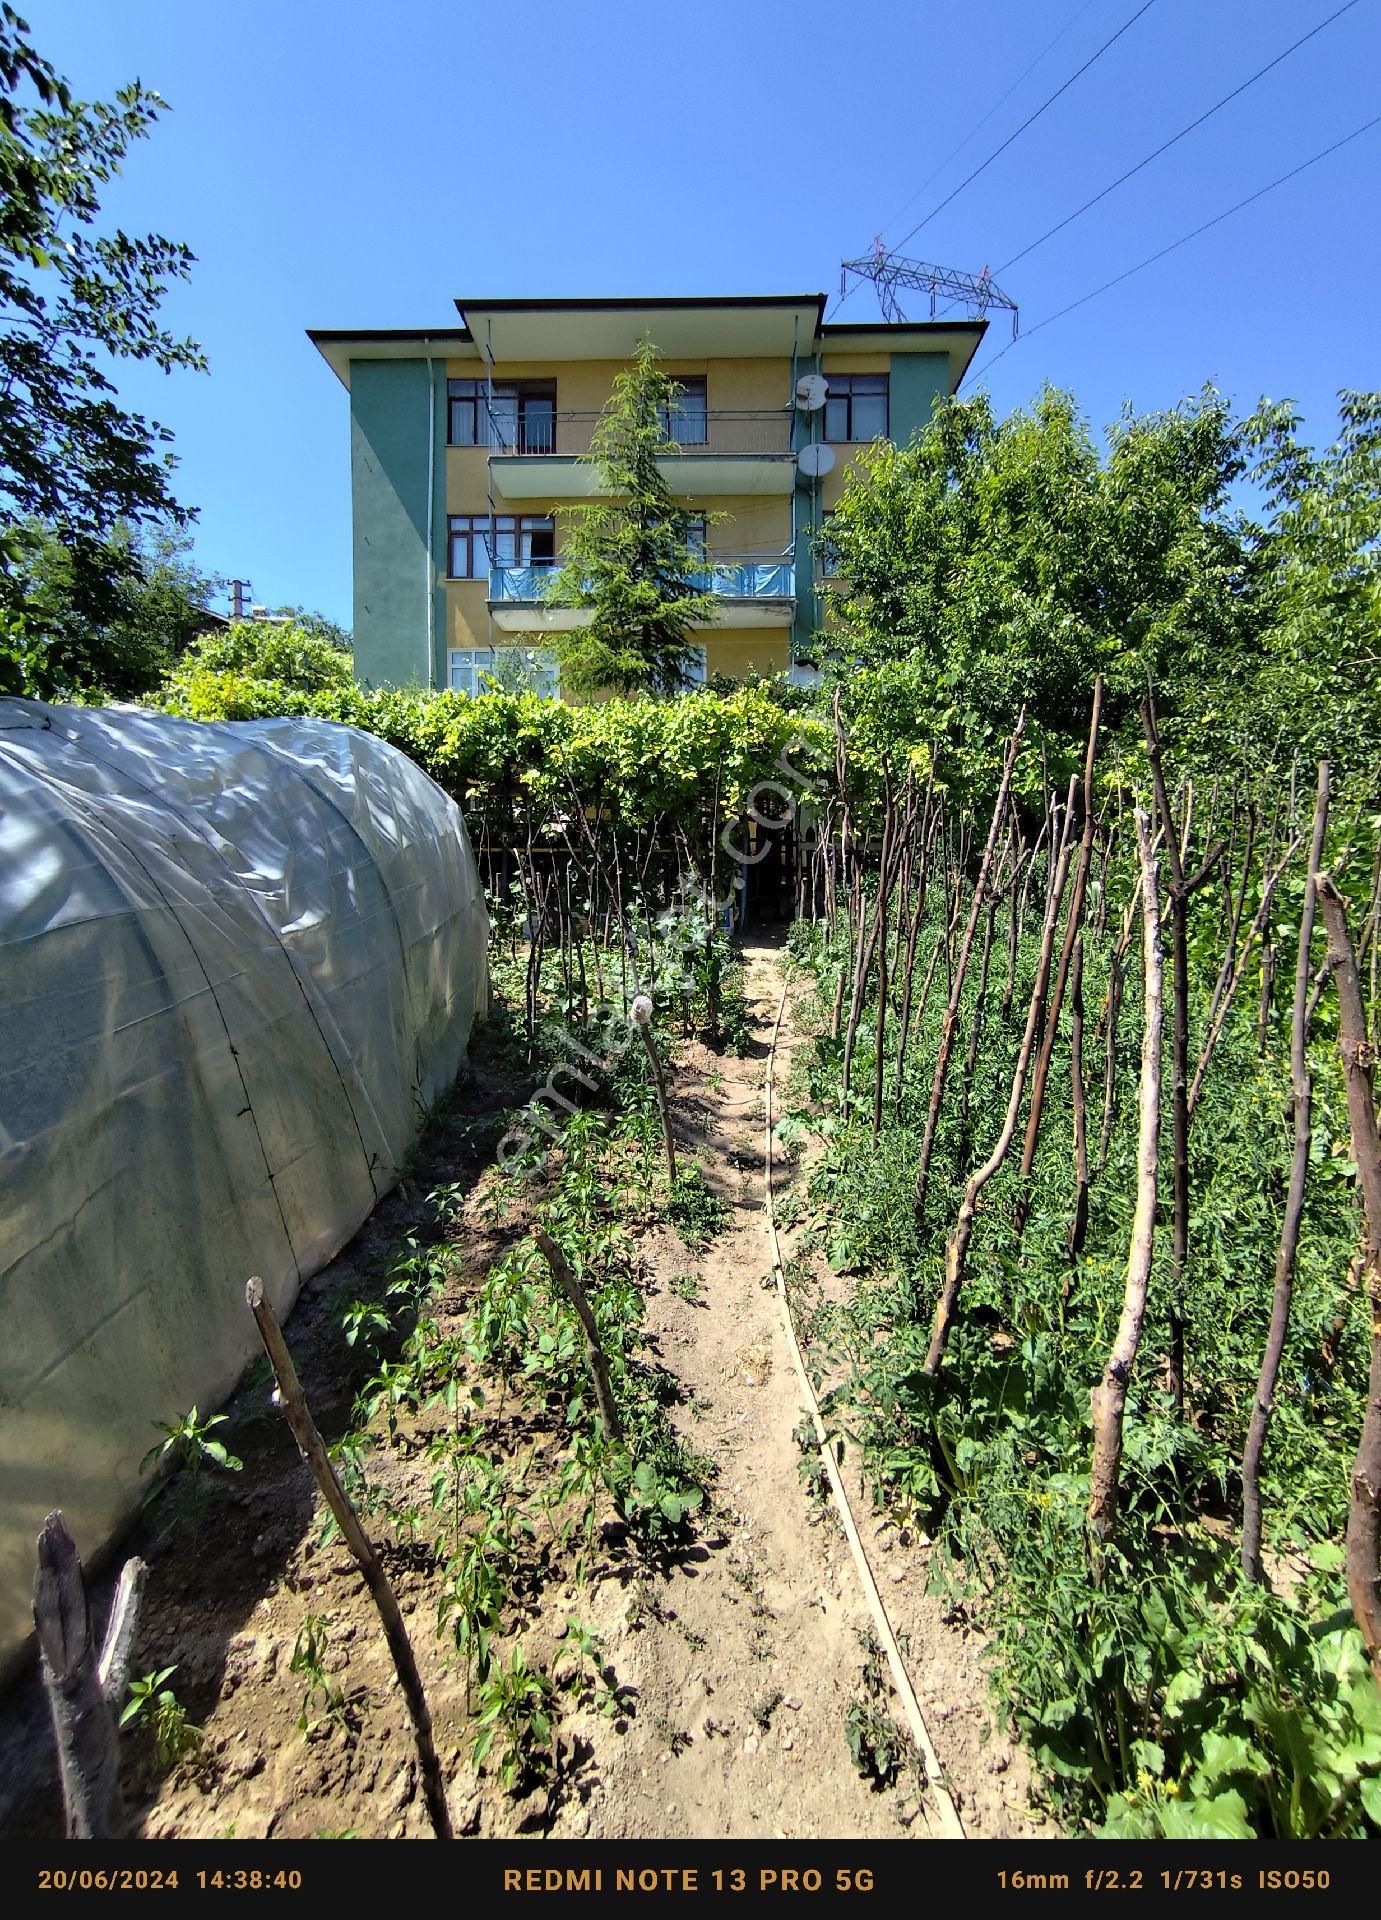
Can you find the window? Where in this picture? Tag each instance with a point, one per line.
(466, 413)
(696, 667)
(517, 415)
(827, 552)
(476, 542)
(695, 534)
(464, 665)
(686, 420)
(514, 669)
(525, 670)
(467, 554)
(856, 406)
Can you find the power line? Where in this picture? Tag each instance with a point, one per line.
(845, 295)
(908, 203)
(1030, 120)
(1165, 146)
(1185, 238)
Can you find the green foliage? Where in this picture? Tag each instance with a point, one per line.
(108, 619)
(322, 1702)
(513, 759)
(305, 656)
(1007, 565)
(154, 1705)
(70, 456)
(1316, 686)
(628, 558)
(513, 1709)
(995, 563)
(186, 1444)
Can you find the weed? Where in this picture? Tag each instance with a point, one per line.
(763, 1708)
(876, 1745)
(675, 1739)
(696, 1211)
(687, 1287)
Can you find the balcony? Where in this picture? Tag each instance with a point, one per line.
(538, 453)
(757, 590)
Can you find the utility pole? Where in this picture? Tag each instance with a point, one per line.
(241, 595)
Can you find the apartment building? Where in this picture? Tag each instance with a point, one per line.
(467, 441)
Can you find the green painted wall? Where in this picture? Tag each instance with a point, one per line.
(391, 414)
(805, 517)
(916, 382)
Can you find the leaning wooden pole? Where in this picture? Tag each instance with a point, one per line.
(594, 1351)
(947, 1030)
(1301, 1103)
(1109, 1398)
(640, 1013)
(313, 1450)
(1182, 891)
(1358, 1055)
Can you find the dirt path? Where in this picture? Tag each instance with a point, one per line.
(747, 1657)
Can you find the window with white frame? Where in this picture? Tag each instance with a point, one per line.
(696, 667)
(513, 669)
(518, 669)
(464, 665)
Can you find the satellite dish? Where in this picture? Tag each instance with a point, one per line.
(811, 390)
(814, 461)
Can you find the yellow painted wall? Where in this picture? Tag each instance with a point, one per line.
(755, 650)
(467, 613)
(759, 523)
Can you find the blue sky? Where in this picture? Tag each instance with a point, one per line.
(361, 164)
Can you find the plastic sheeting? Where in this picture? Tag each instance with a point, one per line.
(238, 963)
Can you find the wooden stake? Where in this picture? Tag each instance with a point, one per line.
(957, 1246)
(599, 1367)
(1182, 891)
(641, 1015)
(946, 1046)
(1078, 1226)
(1072, 926)
(313, 1450)
(1301, 1102)
(84, 1690)
(1109, 1398)
(1270, 882)
(1358, 1056)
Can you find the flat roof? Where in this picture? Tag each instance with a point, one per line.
(709, 326)
(685, 326)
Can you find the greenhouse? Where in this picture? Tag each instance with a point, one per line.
(238, 965)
